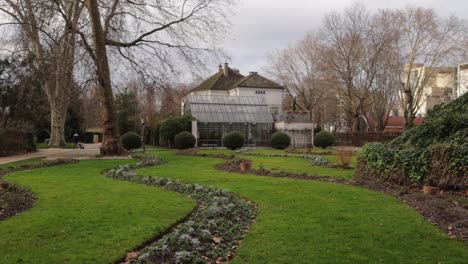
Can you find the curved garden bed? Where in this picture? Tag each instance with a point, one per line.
(211, 233)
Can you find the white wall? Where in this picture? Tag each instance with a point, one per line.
(209, 92)
(463, 86)
(274, 97)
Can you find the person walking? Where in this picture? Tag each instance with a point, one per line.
(76, 140)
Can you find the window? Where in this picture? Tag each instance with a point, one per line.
(259, 92)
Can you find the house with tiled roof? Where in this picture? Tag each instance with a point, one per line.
(252, 105)
(230, 82)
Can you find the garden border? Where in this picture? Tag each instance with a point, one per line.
(199, 231)
(444, 210)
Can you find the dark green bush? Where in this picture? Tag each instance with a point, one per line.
(173, 126)
(280, 140)
(317, 129)
(184, 140)
(434, 153)
(324, 139)
(12, 142)
(131, 141)
(233, 140)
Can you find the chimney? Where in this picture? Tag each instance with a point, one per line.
(226, 69)
(253, 73)
(220, 67)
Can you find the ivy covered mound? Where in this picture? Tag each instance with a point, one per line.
(433, 153)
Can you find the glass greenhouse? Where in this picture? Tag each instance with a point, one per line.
(218, 115)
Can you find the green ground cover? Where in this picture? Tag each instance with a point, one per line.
(287, 164)
(316, 222)
(83, 217)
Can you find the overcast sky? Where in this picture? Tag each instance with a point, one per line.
(260, 26)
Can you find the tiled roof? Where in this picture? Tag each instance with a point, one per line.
(399, 121)
(220, 82)
(255, 80)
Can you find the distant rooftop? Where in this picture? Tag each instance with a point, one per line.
(228, 78)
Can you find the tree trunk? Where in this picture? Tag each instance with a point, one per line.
(57, 124)
(111, 144)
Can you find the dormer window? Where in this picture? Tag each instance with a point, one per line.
(260, 92)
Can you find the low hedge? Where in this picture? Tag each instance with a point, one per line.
(441, 165)
(280, 140)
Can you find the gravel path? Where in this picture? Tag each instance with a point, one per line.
(55, 153)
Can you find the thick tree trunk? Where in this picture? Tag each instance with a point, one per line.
(111, 144)
(57, 125)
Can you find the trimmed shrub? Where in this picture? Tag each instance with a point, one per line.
(280, 140)
(233, 140)
(131, 141)
(173, 126)
(184, 140)
(324, 139)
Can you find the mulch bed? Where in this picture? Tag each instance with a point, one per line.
(448, 210)
(14, 199)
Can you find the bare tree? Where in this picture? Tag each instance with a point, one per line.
(52, 42)
(425, 41)
(162, 30)
(299, 69)
(353, 46)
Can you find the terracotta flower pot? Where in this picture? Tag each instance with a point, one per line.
(430, 189)
(4, 185)
(244, 165)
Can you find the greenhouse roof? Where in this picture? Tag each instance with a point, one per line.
(228, 109)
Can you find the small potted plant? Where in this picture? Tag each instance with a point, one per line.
(245, 165)
(430, 188)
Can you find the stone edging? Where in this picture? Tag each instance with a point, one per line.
(210, 234)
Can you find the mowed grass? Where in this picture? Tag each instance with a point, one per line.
(316, 222)
(31, 161)
(287, 164)
(84, 217)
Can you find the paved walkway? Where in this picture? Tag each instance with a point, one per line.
(55, 153)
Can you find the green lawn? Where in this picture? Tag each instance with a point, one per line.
(287, 164)
(316, 222)
(83, 217)
(31, 161)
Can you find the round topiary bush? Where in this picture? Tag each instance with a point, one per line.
(233, 140)
(324, 139)
(280, 140)
(184, 140)
(131, 141)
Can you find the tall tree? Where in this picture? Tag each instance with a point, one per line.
(52, 41)
(354, 45)
(425, 41)
(168, 31)
(299, 69)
